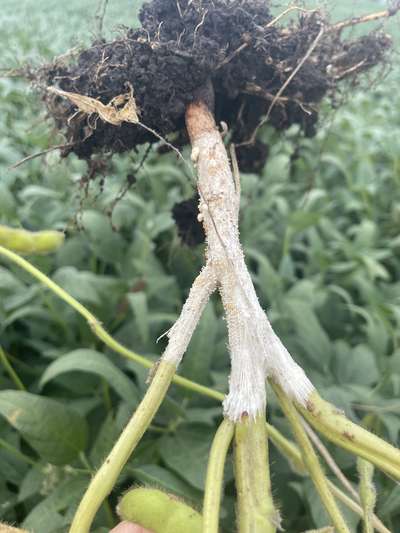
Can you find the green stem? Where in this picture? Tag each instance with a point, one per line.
(11, 372)
(367, 493)
(104, 480)
(255, 512)
(292, 453)
(311, 461)
(356, 508)
(215, 476)
(334, 425)
(288, 449)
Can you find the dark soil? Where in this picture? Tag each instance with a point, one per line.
(252, 158)
(185, 214)
(183, 43)
(180, 47)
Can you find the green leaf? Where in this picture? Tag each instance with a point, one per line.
(9, 283)
(27, 311)
(301, 220)
(199, 355)
(105, 243)
(203, 415)
(138, 303)
(318, 511)
(392, 424)
(81, 285)
(85, 360)
(11, 467)
(309, 332)
(378, 335)
(54, 430)
(391, 504)
(32, 483)
(43, 519)
(8, 501)
(106, 438)
(269, 282)
(187, 451)
(358, 366)
(156, 476)
(7, 202)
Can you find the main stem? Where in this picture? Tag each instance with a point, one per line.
(249, 331)
(256, 351)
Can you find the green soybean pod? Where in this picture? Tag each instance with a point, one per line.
(159, 511)
(30, 242)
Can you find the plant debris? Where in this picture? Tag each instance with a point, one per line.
(181, 44)
(122, 108)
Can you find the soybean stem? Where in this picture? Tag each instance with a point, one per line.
(255, 512)
(334, 425)
(215, 476)
(311, 461)
(105, 478)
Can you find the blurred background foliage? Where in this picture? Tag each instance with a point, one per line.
(320, 227)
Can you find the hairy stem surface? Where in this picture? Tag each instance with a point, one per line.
(255, 509)
(311, 461)
(333, 424)
(255, 349)
(105, 478)
(215, 476)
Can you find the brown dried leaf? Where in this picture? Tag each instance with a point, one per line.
(111, 112)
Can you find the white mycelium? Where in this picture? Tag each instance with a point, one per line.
(256, 351)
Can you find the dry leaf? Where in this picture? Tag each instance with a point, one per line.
(112, 112)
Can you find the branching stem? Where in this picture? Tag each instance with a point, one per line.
(333, 424)
(215, 476)
(255, 509)
(366, 18)
(311, 461)
(255, 349)
(367, 493)
(330, 461)
(105, 478)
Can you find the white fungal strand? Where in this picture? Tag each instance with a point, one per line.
(181, 332)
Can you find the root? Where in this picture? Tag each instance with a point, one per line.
(40, 154)
(181, 45)
(284, 86)
(367, 18)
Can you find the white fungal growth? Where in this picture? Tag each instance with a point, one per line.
(256, 351)
(195, 155)
(181, 332)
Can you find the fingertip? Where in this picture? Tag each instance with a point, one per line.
(128, 527)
